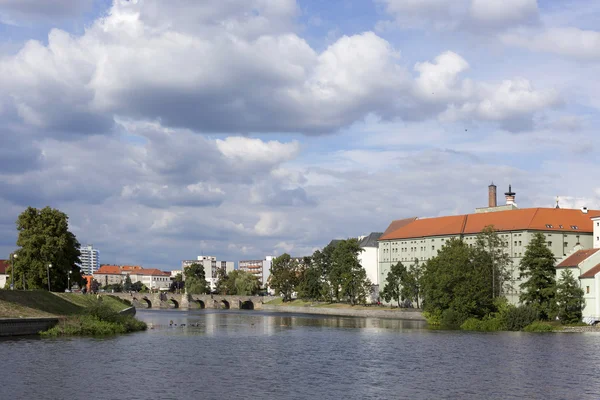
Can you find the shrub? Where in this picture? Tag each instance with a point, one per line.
(471, 324)
(517, 318)
(452, 319)
(539, 326)
(490, 323)
(433, 318)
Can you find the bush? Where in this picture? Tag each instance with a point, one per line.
(491, 323)
(452, 319)
(433, 318)
(517, 318)
(539, 326)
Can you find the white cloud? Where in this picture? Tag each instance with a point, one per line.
(569, 42)
(506, 12)
(250, 150)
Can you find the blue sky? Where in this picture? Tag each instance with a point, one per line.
(248, 128)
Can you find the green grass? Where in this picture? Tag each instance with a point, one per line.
(539, 326)
(39, 303)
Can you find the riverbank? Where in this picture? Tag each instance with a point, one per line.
(343, 310)
(31, 312)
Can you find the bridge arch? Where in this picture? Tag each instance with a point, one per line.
(246, 305)
(173, 303)
(225, 304)
(143, 301)
(200, 304)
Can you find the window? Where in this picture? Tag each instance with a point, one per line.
(519, 243)
(432, 247)
(587, 289)
(515, 242)
(548, 226)
(549, 244)
(574, 227)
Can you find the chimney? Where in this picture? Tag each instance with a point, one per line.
(492, 199)
(510, 196)
(584, 210)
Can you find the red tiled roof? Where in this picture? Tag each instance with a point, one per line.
(591, 272)
(4, 264)
(542, 219)
(151, 271)
(576, 258)
(131, 267)
(397, 224)
(108, 270)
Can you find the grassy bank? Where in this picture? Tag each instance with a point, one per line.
(80, 314)
(303, 303)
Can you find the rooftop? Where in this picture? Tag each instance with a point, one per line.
(4, 264)
(591, 272)
(576, 258)
(539, 219)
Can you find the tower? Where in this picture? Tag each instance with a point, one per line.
(492, 196)
(510, 196)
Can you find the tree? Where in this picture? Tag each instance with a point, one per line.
(284, 276)
(177, 283)
(569, 298)
(242, 283)
(44, 239)
(222, 286)
(94, 286)
(321, 262)
(495, 258)
(311, 286)
(127, 284)
(453, 281)
(348, 278)
(392, 289)
(537, 266)
(410, 282)
(195, 279)
(137, 286)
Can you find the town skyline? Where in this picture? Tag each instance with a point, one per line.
(286, 125)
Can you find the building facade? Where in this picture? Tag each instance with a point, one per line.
(211, 268)
(153, 279)
(261, 269)
(421, 239)
(90, 259)
(369, 260)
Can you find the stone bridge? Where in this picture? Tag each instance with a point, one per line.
(192, 301)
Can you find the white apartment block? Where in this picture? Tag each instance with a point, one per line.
(90, 259)
(211, 268)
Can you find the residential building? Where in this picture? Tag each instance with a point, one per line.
(90, 259)
(261, 269)
(4, 266)
(114, 274)
(369, 260)
(109, 275)
(211, 268)
(421, 239)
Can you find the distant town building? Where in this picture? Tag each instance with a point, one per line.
(369, 260)
(261, 269)
(4, 265)
(211, 268)
(420, 239)
(114, 274)
(90, 259)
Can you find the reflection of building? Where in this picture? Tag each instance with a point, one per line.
(261, 269)
(90, 259)
(585, 265)
(211, 268)
(421, 239)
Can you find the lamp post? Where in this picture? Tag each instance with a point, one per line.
(48, 272)
(69, 281)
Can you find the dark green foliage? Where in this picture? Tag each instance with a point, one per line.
(95, 286)
(569, 298)
(311, 285)
(537, 267)
(452, 319)
(454, 280)
(195, 279)
(242, 283)
(115, 287)
(392, 289)
(490, 253)
(44, 238)
(410, 280)
(539, 326)
(222, 285)
(517, 318)
(285, 273)
(137, 286)
(127, 284)
(488, 324)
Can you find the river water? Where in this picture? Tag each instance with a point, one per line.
(254, 355)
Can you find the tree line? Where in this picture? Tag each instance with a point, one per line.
(333, 274)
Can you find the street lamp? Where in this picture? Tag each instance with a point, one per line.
(69, 281)
(12, 268)
(48, 271)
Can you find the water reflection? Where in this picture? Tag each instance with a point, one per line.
(225, 322)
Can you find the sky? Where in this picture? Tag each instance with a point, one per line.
(246, 128)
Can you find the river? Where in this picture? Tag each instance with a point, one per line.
(227, 354)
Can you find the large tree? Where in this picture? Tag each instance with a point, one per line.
(410, 281)
(347, 277)
(311, 285)
(537, 267)
(285, 274)
(242, 283)
(44, 240)
(195, 279)
(393, 288)
(569, 298)
(453, 281)
(494, 256)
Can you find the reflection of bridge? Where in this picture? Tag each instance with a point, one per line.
(191, 301)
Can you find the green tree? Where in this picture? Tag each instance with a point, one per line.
(321, 262)
(242, 283)
(127, 284)
(348, 278)
(493, 256)
(223, 287)
(284, 276)
(410, 282)
(311, 285)
(195, 279)
(569, 298)
(453, 281)
(44, 239)
(137, 286)
(392, 288)
(537, 267)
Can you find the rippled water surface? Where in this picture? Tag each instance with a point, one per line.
(254, 355)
